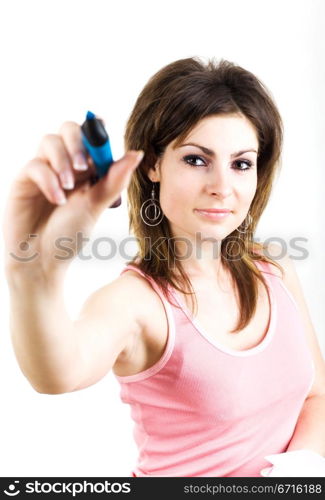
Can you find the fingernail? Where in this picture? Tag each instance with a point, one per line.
(79, 162)
(67, 179)
(60, 198)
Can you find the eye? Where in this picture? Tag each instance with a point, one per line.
(248, 164)
(192, 161)
(193, 158)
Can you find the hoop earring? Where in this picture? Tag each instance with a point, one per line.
(153, 205)
(243, 228)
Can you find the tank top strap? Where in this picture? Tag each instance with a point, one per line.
(278, 281)
(171, 330)
(153, 283)
(266, 268)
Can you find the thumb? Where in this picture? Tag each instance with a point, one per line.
(107, 190)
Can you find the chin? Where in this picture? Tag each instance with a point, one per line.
(218, 234)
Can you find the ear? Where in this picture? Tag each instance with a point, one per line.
(154, 172)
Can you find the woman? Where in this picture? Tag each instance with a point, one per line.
(215, 383)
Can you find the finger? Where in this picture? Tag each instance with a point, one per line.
(52, 149)
(108, 188)
(38, 172)
(71, 135)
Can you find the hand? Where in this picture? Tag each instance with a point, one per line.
(298, 463)
(34, 216)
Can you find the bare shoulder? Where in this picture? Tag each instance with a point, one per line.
(138, 283)
(130, 290)
(149, 310)
(140, 293)
(110, 326)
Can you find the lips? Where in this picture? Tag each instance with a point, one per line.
(214, 210)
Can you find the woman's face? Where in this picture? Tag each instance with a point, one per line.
(208, 175)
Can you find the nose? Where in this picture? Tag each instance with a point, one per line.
(219, 183)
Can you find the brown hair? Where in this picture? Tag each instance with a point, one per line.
(170, 105)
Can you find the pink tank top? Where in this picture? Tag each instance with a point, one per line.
(207, 410)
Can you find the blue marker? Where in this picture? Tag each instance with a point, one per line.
(96, 141)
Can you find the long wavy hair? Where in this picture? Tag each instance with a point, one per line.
(170, 105)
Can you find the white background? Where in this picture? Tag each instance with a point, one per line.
(61, 58)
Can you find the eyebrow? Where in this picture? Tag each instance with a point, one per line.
(212, 153)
